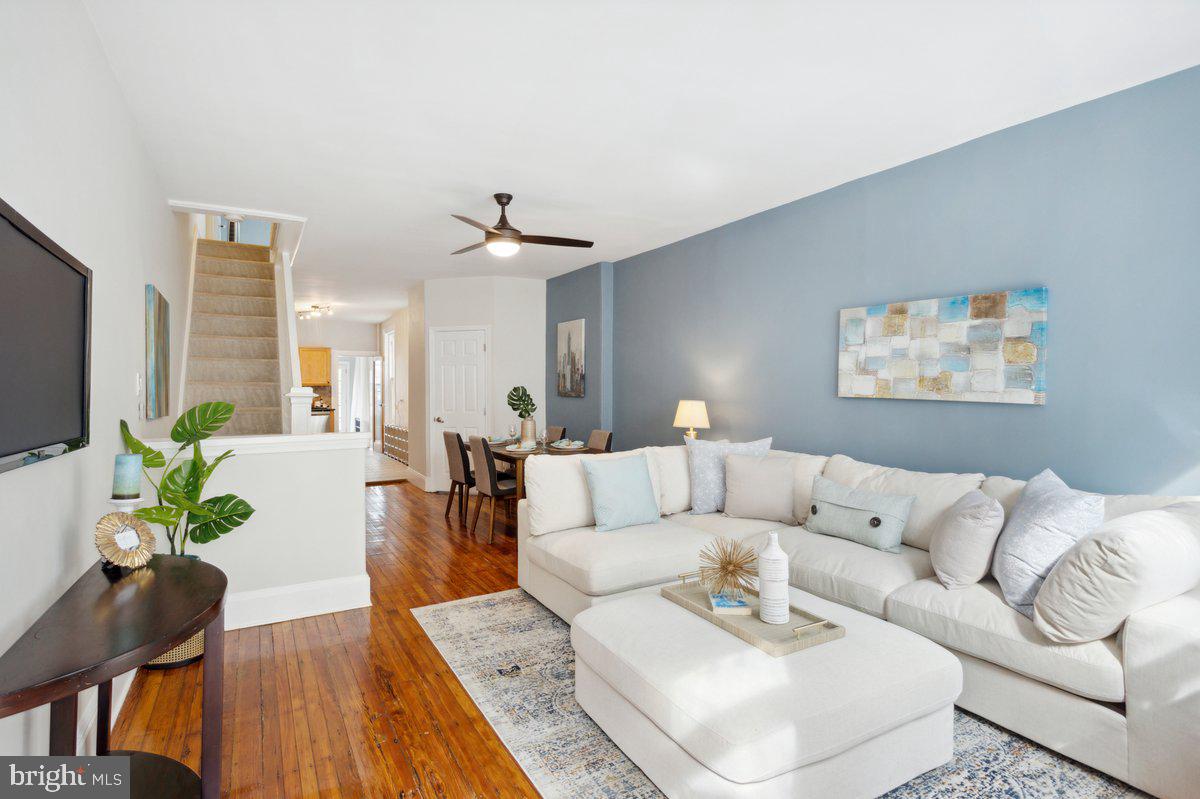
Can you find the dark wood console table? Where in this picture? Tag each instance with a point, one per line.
(99, 629)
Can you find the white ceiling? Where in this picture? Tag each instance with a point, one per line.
(631, 123)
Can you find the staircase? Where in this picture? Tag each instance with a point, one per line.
(233, 345)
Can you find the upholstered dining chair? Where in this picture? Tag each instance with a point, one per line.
(600, 439)
(555, 433)
(461, 477)
(488, 484)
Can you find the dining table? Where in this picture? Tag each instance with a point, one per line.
(517, 457)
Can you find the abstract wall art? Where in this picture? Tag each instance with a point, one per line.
(970, 348)
(158, 354)
(570, 358)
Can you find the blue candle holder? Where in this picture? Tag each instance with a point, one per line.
(127, 477)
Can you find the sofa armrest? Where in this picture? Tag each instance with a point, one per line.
(522, 538)
(1162, 694)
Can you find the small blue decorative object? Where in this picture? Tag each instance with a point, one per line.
(127, 477)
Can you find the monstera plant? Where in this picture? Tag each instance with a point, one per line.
(521, 402)
(180, 486)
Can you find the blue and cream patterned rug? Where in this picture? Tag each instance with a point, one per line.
(514, 657)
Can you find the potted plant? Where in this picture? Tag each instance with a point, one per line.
(181, 510)
(520, 401)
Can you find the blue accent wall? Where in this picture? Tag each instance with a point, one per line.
(1099, 202)
(583, 294)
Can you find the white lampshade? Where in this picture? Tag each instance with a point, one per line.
(691, 413)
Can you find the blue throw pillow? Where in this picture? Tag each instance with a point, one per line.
(865, 517)
(622, 494)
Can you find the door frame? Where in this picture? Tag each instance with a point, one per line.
(434, 482)
(334, 394)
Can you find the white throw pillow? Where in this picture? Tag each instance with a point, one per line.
(965, 538)
(674, 484)
(760, 487)
(706, 467)
(1132, 562)
(807, 467)
(557, 491)
(1046, 522)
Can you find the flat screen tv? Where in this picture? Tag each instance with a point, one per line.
(45, 345)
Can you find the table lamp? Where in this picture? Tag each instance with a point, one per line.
(691, 414)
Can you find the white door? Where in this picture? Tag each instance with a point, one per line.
(344, 395)
(459, 396)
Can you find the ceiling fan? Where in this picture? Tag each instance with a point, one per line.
(503, 240)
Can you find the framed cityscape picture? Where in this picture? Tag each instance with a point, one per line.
(570, 358)
(971, 348)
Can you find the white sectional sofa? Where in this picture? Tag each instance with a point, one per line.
(1128, 705)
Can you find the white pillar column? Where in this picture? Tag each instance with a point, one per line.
(301, 398)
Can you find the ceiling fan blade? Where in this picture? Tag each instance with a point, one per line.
(474, 224)
(468, 249)
(554, 240)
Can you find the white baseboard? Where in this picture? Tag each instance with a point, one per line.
(271, 605)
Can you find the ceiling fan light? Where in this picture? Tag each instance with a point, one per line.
(503, 248)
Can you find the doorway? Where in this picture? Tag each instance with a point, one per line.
(354, 392)
(458, 381)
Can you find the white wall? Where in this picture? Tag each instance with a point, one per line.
(396, 405)
(74, 166)
(337, 334)
(515, 310)
(303, 552)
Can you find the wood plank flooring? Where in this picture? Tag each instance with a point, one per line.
(357, 703)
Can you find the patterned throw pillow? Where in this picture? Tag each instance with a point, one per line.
(1047, 521)
(706, 469)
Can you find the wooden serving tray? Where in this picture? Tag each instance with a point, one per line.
(804, 630)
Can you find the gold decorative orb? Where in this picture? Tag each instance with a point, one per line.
(125, 540)
(727, 566)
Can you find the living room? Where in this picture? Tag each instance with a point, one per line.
(775, 399)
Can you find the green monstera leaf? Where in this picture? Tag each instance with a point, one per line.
(520, 401)
(226, 513)
(165, 515)
(200, 422)
(183, 480)
(151, 458)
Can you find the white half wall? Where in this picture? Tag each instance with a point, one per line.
(74, 166)
(303, 552)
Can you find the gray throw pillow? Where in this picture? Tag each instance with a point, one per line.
(706, 469)
(963, 541)
(1047, 521)
(874, 520)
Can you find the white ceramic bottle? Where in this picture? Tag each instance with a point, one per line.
(773, 601)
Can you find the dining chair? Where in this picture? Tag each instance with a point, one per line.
(555, 433)
(488, 484)
(461, 477)
(600, 439)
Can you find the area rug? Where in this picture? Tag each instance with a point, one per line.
(514, 658)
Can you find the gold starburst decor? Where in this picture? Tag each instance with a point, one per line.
(124, 540)
(726, 566)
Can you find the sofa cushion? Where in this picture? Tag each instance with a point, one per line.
(934, 492)
(599, 564)
(975, 620)
(846, 572)
(1132, 562)
(558, 494)
(1047, 521)
(719, 525)
(1008, 491)
(670, 464)
(760, 487)
(747, 716)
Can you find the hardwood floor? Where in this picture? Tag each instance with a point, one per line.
(357, 703)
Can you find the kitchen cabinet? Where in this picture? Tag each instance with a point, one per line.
(315, 366)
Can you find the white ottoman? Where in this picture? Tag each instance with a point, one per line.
(704, 714)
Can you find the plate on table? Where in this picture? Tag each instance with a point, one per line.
(565, 444)
(519, 448)
(500, 439)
